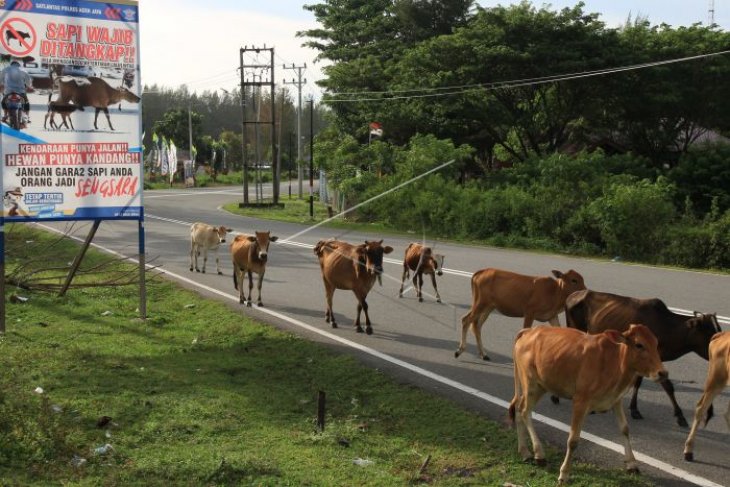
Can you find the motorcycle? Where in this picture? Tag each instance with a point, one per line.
(14, 103)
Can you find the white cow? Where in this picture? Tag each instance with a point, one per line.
(204, 237)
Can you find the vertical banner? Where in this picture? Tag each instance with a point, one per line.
(80, 154)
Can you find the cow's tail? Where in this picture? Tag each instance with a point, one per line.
(516, 399)
(235, 278)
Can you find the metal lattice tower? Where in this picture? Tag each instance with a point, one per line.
(711, 13)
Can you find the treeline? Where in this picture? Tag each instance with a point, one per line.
(216, 118)
(561, 143)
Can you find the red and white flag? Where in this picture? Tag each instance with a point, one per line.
(376, 129)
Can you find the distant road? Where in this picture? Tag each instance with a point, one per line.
(415, 342)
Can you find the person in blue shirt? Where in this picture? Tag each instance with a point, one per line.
(15, 80)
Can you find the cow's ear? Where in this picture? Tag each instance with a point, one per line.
(615, 336)
(251, 238)
(274, 239)
(387, 249)
(557, 274)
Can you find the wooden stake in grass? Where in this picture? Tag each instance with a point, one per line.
(320, 411)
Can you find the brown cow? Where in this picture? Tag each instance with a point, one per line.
(421, 260)
(353, 267)
(204, 237)
(718, 376)
(94, 92)
(594, 312)
(592, 370)
(250, 254)
(516, 295)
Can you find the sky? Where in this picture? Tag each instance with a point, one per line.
(197, 43)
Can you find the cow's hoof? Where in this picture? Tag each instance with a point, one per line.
(191, 269)
(633, 470)
(486, 358)
(682, 422)
(400, 295)
(420, 300)
(541, 462)
(248, 304)
(241, 301)
(555, 399)
(334, 325)
(457, 353)
(260, 304)
(220, 273)
(369, 331)
(438, 300)
(689, 456)
(203, 271)
(358, 329)
(636, 414)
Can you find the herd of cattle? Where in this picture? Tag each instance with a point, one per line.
(604, 331)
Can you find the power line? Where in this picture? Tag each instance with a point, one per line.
(461, 89)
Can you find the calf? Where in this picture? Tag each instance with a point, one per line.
(421, 260)
(204, 237)
(94, 92)
(353, 267)
(718, 376)
(250, 254)
(594, 312)
(62, 109)
(592, 370)
(516, 295)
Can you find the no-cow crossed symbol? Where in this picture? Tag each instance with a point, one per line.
(18, 36)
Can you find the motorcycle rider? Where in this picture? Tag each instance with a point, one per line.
(15, 80)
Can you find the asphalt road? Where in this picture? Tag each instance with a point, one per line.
(415, 342)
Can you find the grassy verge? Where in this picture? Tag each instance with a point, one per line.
(201, 395)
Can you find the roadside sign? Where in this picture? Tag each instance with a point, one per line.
(18, 37)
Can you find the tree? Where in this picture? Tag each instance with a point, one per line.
(174, 126)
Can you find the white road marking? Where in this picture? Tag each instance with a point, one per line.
(610, 445)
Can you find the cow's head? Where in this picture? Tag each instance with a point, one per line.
(702, 327)
(642, 351)
(438, 264)
(261, 244)
(370, 256)
(221, 232)
(569, 281)
(128, 95)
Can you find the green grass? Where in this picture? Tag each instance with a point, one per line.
(199, 394)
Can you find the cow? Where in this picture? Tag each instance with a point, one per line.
(593, 370)
(204, 237)
(64, 110)
(353, 267)
(250, 254)
(718, 376)
(19, 36)
(516, 295)
(421, 260)
(594, 312)
(94, 92)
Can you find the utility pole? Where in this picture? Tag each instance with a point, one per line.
(256, 70)
(311, 158)
(299, 83)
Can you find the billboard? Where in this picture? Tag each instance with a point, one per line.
(79, 155)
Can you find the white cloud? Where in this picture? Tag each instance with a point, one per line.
(199, 46)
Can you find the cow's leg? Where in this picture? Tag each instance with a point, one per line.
(515, 409)
(702, 407)
(415, 285)
(217, 262)
(669, 389)
(70, 122)
(635, 414)
(435, 288)
(623, 427)
(96, 118)
(192, 255)
(420, 287)
(476, 329)
(527, 323)
(108, 119)
(368, 325)
(250, 288)
(205, 257)
(259, 284)
(329, 290)
(241, 279)
(580, 409)
(467, 321)
(403, 280)
(531, 396)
